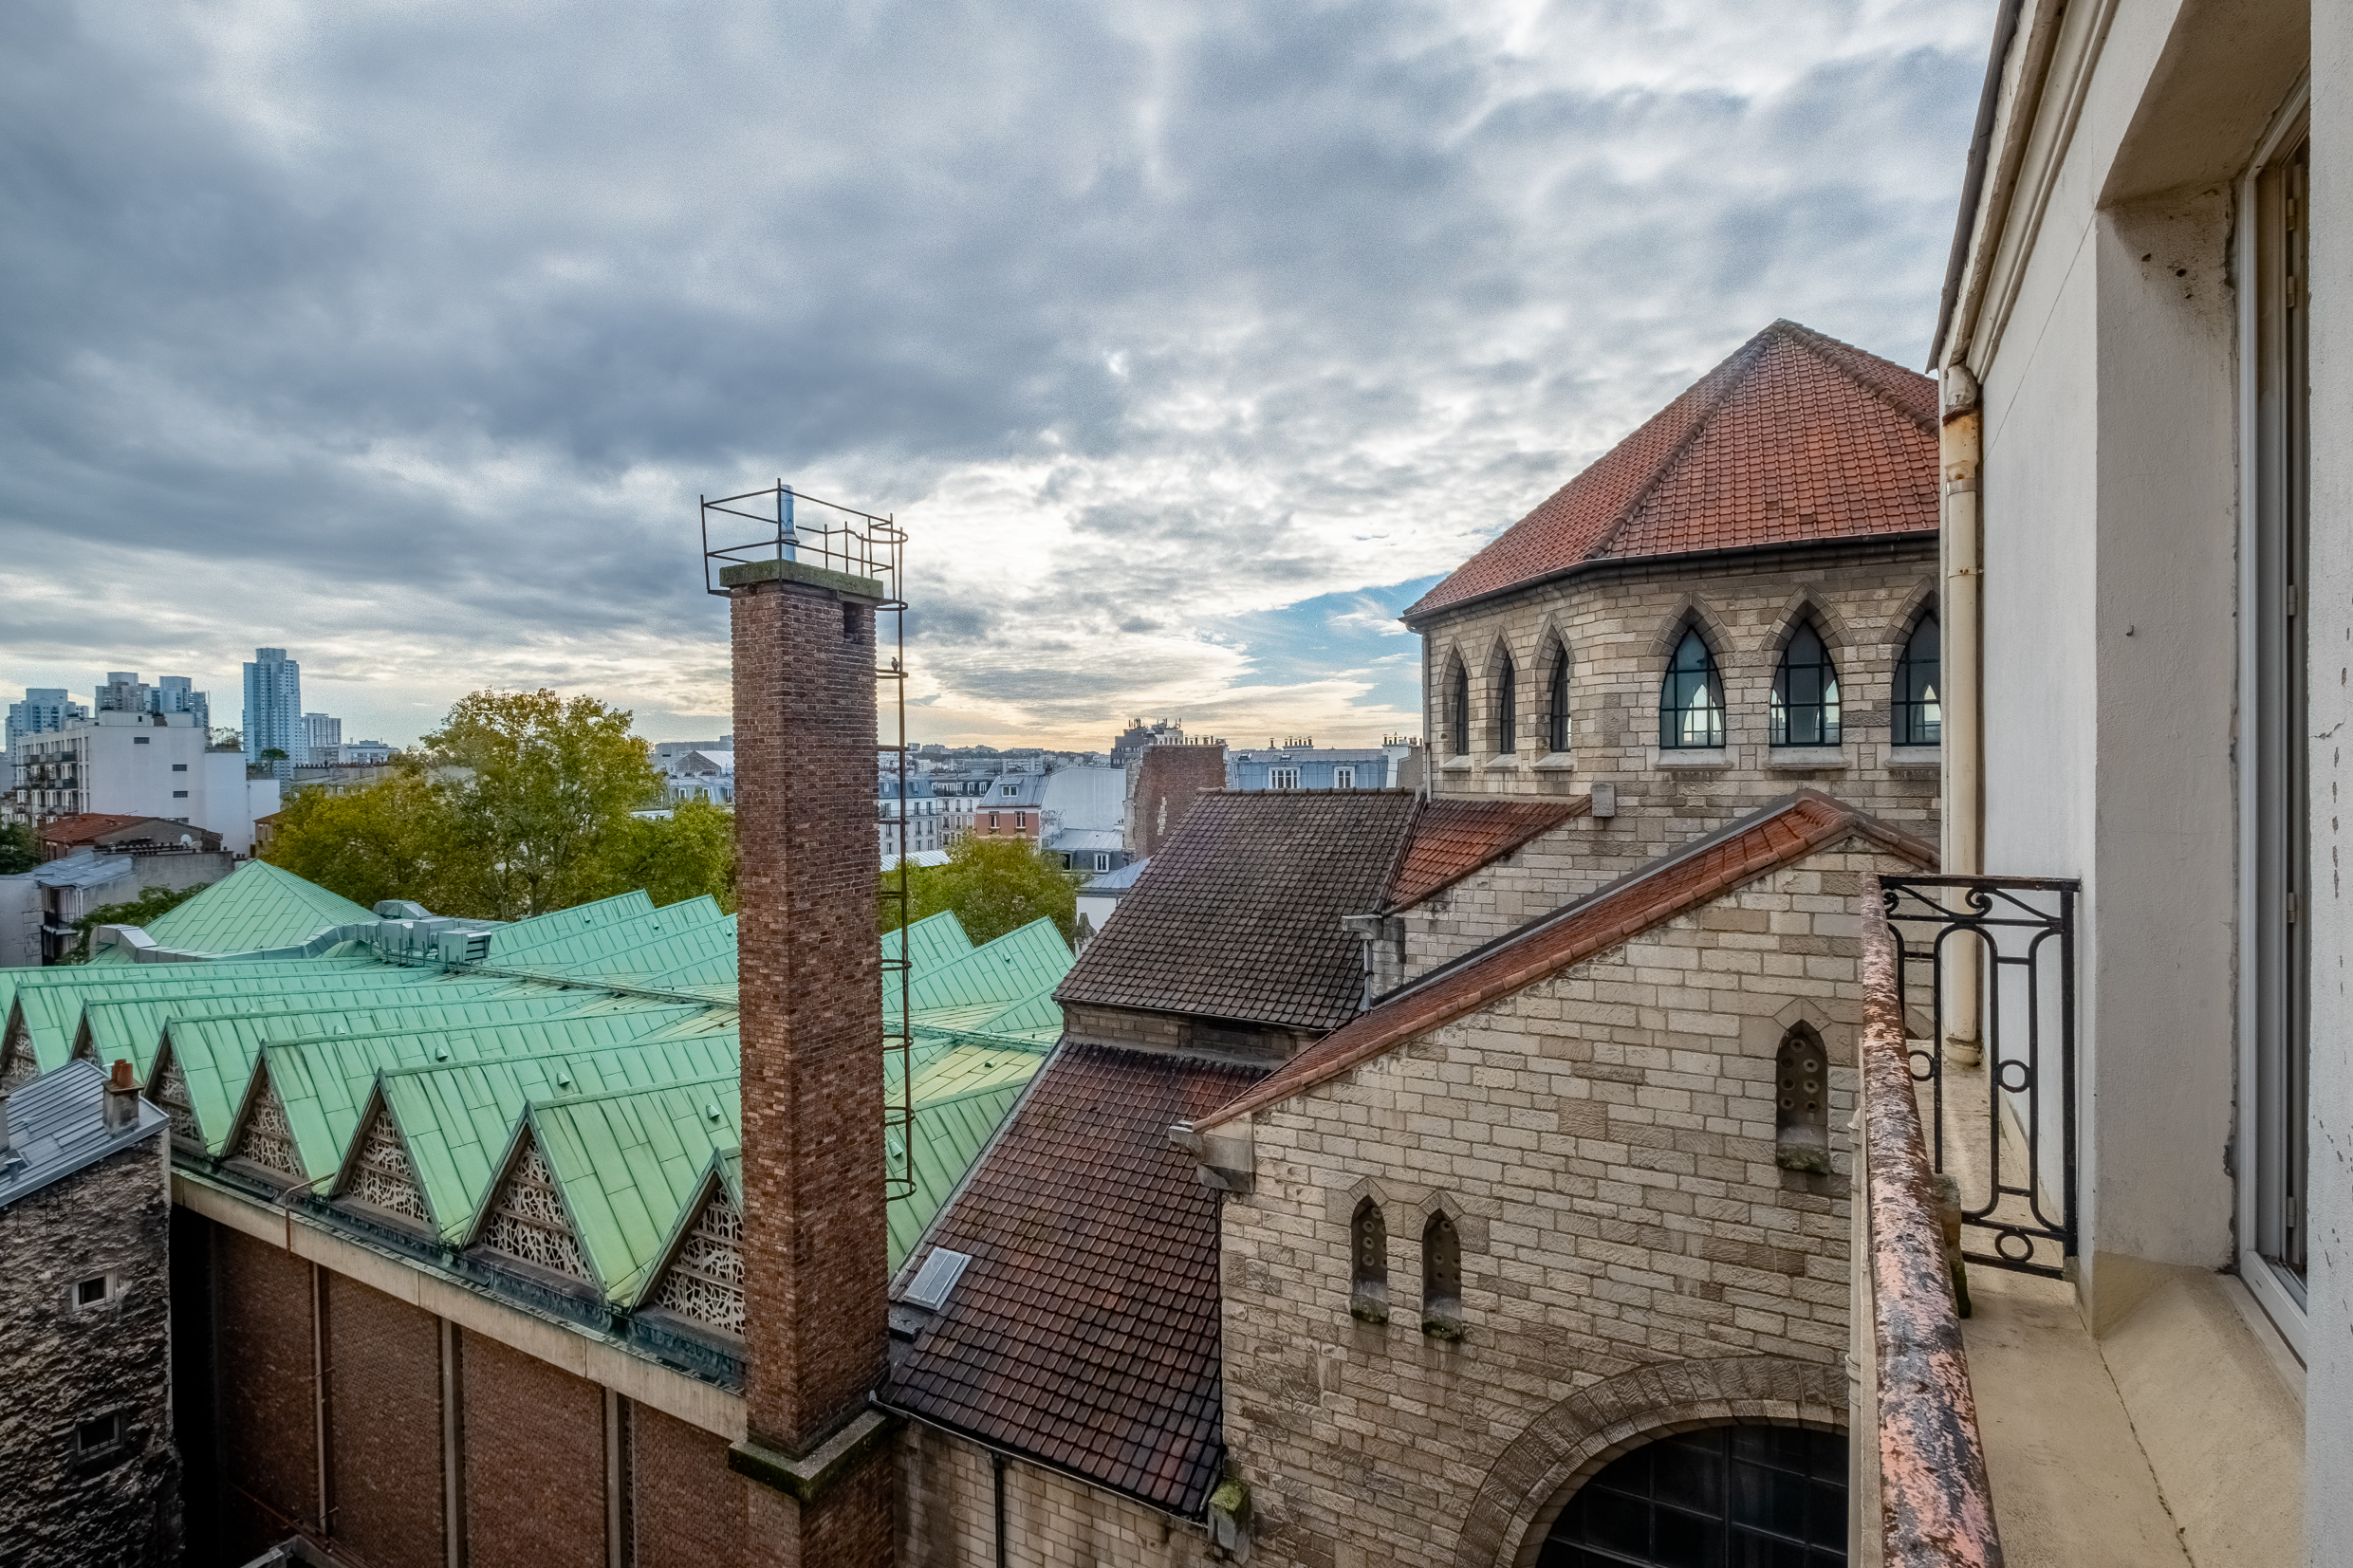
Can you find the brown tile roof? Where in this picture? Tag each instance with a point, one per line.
(1238, 914)
(1083, 1333)
(90, 827)
(1453, 839)
(1797, 438)
(1778, 836)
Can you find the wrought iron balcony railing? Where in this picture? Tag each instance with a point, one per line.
(1952, 967)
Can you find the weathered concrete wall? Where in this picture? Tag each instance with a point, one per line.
(1620, 628)
(62, 1366)
(1605, 1142)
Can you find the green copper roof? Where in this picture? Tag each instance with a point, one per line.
(1017, 965)
(631, 1163)
(256, 906)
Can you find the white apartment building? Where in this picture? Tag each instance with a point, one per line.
(143, 764)
(323, 739)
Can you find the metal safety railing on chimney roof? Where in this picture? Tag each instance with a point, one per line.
(780, 522)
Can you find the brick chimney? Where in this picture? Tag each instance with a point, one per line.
(1162, 783)
(122, 1101)
(815, 1248)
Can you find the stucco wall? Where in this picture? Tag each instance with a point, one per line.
(1605, 1142)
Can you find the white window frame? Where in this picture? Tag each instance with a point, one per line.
(1344, 778)
(2273, 1288)
(1282, 778)
(1103, 861)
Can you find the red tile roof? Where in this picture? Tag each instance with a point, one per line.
(1237, 916)
(1085, 1331)
(1453, 839)
(88, 827)
(1797, 438)
(1779, 836)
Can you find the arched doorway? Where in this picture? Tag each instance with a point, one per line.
(1714, 1497)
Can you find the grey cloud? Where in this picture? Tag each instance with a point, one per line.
(448, 315)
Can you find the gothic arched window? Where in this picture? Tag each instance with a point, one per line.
(1690, 699)
(1368, 1263)
(1716, 1495)
(1914, 706)
(1441, 1278)
(1507, 707)
(1806, 691)
(1458, 702)
(1556, 702)
(1802, 1102)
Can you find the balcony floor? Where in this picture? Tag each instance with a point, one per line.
(2173, 1439)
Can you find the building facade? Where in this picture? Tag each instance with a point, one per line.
(87, 1441)
(1309, 767)
(45, 709)
(273, 706)
(323, 739)
(1737, 600)
(138, 765)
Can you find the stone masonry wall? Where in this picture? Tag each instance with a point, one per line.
(1605, 1142)
(1621, 627)
(1050, 1519)
(1549, 871)
(60, 1367)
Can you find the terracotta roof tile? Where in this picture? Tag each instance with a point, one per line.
(1779, 835)
(1453, 839)
(1085, 1331)
(1797, 438)
(87, 826)
(1238, 914)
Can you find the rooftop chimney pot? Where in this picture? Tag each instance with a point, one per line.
(122, 1101)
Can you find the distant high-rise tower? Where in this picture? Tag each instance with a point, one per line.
(125, 694)
(178, 695)
(44, 710)
(323, 739)
(273, 708)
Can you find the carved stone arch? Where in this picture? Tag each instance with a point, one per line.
(1922, 597)
(1810, 603)
(1447, 661)
(1538, 1471)
(1692, 614)
(1488, 696)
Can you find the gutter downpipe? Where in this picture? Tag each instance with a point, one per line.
(1960, 456)
(997, 1463)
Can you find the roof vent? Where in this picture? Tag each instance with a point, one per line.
(564, 1080)
(712, 1110)
(936, 1278)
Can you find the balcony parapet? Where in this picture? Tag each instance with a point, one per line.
(1927, 1466)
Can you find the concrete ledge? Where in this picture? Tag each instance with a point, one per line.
(845, 585)
(1812, 759)
(817, 1472)
(1695, 757)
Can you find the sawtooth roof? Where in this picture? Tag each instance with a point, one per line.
(1758, 845)
(1085, 1331)
(1796, 439)
(1239, 917)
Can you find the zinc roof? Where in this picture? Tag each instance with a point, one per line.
(254, 907)
(1797, 438)
(57, 1126)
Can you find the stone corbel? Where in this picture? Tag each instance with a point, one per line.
(1227, 1159)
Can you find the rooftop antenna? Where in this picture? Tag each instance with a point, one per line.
(785, 534)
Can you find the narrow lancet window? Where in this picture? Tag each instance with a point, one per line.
(1802, 1102)
(1441, 1278)
(1690, 699)
(1506, 709)
(1556, 713)
(1458, 703)
(1918, 714)
(1368, 1263)
(1805, 693)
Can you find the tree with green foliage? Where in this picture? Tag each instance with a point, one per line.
(993, 885)
(19, 849)
(522, 803)
(148, 907)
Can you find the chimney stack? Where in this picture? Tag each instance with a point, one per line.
(121, 1106)
(815, 1243)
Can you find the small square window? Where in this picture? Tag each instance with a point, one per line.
(1344, 778)
(93, 1436)
(179, 794)
(95, 1291)
(140, 740)
(179, 767)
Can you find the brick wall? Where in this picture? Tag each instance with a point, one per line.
(686, 1507)
(535, 1453)
(1621, 627)
(1604, 1143)
(814, 1237)
(1051, 1520)
(268, 1416)
(385, 1477)
(1162, 783)
(60, 1367)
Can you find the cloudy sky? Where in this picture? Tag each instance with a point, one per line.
(1190, 341)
